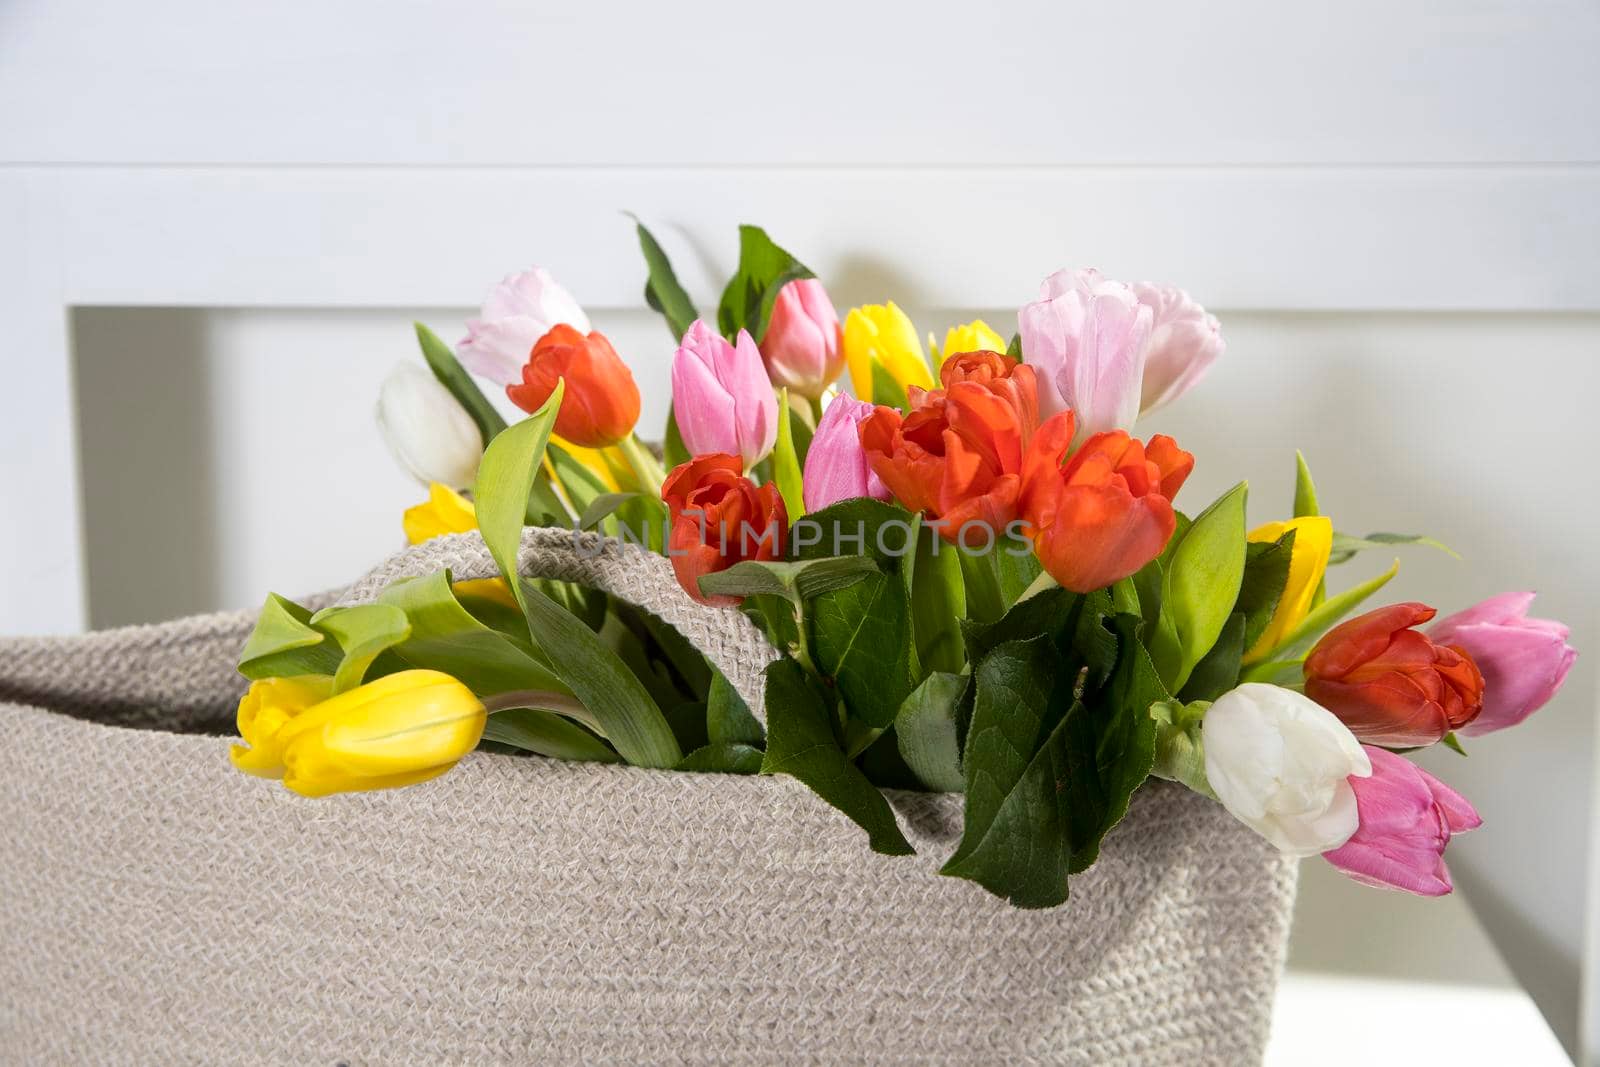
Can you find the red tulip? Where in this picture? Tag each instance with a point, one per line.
(601, 403)
(1390, 684)
(719, 518)
(1106, 511)
(957, 456)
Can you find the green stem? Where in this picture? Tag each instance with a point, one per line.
(985, 603)
(645, 466)
(543, 700)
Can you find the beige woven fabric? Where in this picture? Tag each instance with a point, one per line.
(158, 907)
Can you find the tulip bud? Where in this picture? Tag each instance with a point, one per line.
(1523, 661)
(1282, 766)
(1407, 817)
(1184, 342)
(836, 466)
(721, 396)
(427, 429)
(265, 708)
(719, 518)
(601, 403)
(803, 346)
(516, 313)
(1390, 684)
(1107, 511)
(399, 730)
(882, 335)
(974, 336)
(1087, 338)
(1308, 562)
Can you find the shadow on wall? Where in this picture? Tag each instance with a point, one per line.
(146, 427)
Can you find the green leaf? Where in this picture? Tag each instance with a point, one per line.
(1305, 491)
(1201, 584)
(603, 507)
(1218, 672)
(764, 269)
(928, 730)
(932, 575)
(582, 485)
(547, 734)
(674, 453)
(885, 390)
(284, 643)
(801, 743)
(1453, 743)
(1266, 575)
(1014, 349)
(1016, 840)
(446, 637)
(728, 718)
(1315, 624)
(662, 290)
(454, 377)
(602, 683)
(1050, 612)
(364, 631)
(1180, 748)
(795, 582)
(786, 462)
(506, 478)
(1345, 546)
(723, 758)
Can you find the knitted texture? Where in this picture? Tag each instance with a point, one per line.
(156, 906)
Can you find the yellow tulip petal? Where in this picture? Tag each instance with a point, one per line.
(494, 589)
(883, 334)
(974, 336)
(1308, 562)
(445, 512)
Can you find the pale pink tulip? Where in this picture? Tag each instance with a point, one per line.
(802, 347)
(722, 397)
(836, 465)
(1523, 661)
(516, 313)
(1086, 340)
(1184, 342)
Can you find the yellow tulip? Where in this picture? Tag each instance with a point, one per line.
(882, 334)
(607, 464)
(401, 729)
(1308, 562)
(263, 712)
(974, 336)
(445, 512)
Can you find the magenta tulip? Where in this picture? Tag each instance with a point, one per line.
(802, 347)
(836, 465)
(722, 397)
(1406, 817)
(1523, 661)
(1086, 339)
(1184, 342)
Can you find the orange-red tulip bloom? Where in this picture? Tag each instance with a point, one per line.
(1106, 511)
(719, 518)
(957, 456)
(1390, 684)
(601, 403)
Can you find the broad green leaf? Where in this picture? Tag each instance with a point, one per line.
(662, 290)
(1180, 749)
(446, 637)
(1016, 840)
(1015, 571)
(796, 582)
(928, 730)
(786, 462)
(1125, 598)
(1305, 491)
(1201, 584)
(581, 484)
(667, 646)
(724, 758)
(284, 643)
(1266, 574)
(364, 631)
(603, 507)
(1345, 546)
(674, 453)
(1014, 349)
(1218, 672)
(801, 743)
(602, 683)
(1320, 619)
(932, 573)
(506, 478)
(728, 718)
(764, 269)
(454, 377)
(885, 390)
(547, 734)
(1050, 612)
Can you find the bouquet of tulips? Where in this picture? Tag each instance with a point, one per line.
(974, 575)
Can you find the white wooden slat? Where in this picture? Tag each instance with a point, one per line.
(1406, 238)
(834, 82)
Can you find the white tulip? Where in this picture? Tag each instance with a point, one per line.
(1280, 763)
(516, 313)
(427, 429)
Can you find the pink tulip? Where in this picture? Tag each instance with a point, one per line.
(1184, 343)
(802, 347)
(1523, 661)
(1086, 339)
(516, 313)
(1406, 817)
(722, 397)
(836, 465)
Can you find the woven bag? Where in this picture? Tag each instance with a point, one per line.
(157, 906)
